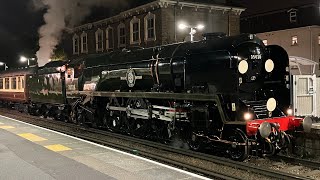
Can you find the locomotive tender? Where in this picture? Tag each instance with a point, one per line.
(227, 93)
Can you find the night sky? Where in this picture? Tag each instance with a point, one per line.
(19, 24)
(18, 30)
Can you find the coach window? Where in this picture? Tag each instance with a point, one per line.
(149, 27)
(19, 83)
(99, 40)
(1, 83)
(7, 83)
(22, 82)
(13, 83)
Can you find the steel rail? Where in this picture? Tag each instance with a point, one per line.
(297, 161)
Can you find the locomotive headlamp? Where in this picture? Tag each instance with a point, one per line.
(243, 66)
(265, 129)
(307, 124)
(271, 104)
(247, 116)
(289, 112)
(269, 65)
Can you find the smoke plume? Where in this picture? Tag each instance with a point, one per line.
(60, 15)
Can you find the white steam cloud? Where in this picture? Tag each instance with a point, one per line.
(60, 15)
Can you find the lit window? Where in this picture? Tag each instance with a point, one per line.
(75, 44)
(22, 82)
(294, 40)
(7, 83)
(150, 30)
(319, 39)
(13, 83)
(19, 83)
(84, 42)
(265, 42)
(293, 15)
(135, 30)
(99, 40)
(1, 83)
(109, 38)
(121, 35)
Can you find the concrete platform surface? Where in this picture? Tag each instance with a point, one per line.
(30, 152)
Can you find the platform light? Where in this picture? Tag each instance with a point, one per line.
(23, 59)
(193, 29)
(4, 64)
(200, 26)
(182, 26)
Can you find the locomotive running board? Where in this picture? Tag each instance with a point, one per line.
(151, 95)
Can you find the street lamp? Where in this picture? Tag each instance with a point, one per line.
(193, 29)
(24, 59)
(4, 64)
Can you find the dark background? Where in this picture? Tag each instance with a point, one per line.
(19, 22)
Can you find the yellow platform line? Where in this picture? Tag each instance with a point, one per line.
(58, 147)
(32, 137)
(6, 127)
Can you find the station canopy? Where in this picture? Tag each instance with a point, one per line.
(302, 65)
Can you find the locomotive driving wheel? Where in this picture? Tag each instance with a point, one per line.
(194, 142)
(73, 116)
(137, 126)
(112, 119)
(239, 147)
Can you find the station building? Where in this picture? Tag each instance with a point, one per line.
(294, 26)
(151, 24)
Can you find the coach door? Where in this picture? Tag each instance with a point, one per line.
(304, 95)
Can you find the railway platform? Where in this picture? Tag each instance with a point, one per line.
(30, 152)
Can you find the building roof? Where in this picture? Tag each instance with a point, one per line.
(163, 3)
(256, 7)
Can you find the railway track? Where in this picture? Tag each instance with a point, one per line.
(203, 164)
(300, 167)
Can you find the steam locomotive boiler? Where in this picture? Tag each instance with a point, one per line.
(227, 93)
(224, 92)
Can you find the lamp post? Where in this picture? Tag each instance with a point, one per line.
(4, 64)
(193, 29)
(24, 59)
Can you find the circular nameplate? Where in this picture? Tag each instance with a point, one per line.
(131, 77)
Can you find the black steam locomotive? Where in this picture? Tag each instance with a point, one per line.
(227, 93)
